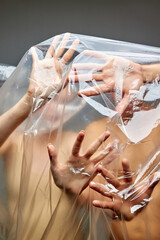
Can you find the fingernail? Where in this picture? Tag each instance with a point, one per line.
(79, 94)
(50, 146)
(107, 133)
(92, 183)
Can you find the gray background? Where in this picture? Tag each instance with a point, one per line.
(24, 23)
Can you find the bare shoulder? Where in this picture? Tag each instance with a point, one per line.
(12, 142)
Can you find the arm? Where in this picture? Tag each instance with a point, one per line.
(46, 77)
(10, 120)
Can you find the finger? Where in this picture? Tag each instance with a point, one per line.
(104, 204)
(153, 181)
(88, 66)
(69, 54)
(78, 142)
(62, 45)
(100, 188)
(126, 171)
(108, 176)
(85, 77)
(51, 50)
(96, 144)
(96, 54)
(96, 90)
(34, 55)
(103, 153)
(123, 104)
(52, 154)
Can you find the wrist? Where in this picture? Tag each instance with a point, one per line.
(24, 106)
(150, 72)
(147, 75)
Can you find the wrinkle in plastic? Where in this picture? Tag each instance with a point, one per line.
(93, 186)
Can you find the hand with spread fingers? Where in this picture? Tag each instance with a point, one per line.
(118, 75)
(75, 175)
(46, 75)
(125, 198)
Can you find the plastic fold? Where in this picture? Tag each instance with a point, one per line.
(96, 107)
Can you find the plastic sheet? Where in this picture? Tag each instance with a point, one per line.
(5, 72)
(95, 103)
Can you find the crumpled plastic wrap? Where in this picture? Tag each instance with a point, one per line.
(5, 72)
(95, 104)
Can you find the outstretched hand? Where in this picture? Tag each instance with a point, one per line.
(46, 75)
(125, 198)
(118, 74)
(75, 175)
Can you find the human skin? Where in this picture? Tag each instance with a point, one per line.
(116, 74)
(148, 219)
(11, 144)
(13, 160)
(10, 151)
(139, 75)
(21, 180)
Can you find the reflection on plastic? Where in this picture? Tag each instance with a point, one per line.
(94, 103)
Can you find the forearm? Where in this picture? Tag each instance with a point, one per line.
(151, 72)
(10, 120)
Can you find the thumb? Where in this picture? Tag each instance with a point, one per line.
(153, 180)
(52, 154)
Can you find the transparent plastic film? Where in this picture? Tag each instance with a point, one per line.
(79, 142)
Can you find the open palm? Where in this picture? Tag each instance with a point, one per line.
(46, 75)
(75, 175)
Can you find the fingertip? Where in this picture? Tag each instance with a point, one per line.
(32, 49)
(157, 174)
(82, 130)
(77, 41)
(67, 34)
(50, 148)
(125, 162)
(92, 184)
(57, 37)
(154, 179)
(34, 54)
(80, 94)
(86, 52)
(99, 168)
(82, 133)
(95, 203)
(85, 93)
(49, 145)
(107, 134)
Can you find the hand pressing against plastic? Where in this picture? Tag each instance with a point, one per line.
(76, 173)
(124, 198)
(46, 77)
(118, 75)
